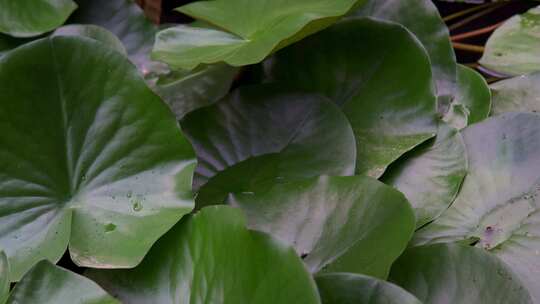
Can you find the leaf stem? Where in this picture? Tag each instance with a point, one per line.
(468, 47)
(466, 11)
(475, 16)
(475, 33)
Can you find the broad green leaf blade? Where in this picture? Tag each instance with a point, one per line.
(518, 94)
(89, 156)
(391, 109)
(27, 18)
(452, 273)
(185, 91)
(95, 32)
(126, 20)
(422, 18)
(246, 31)
(348, 288)
(8, 43)
(498, 203)
(46, 283)
(211, 257)
(342, 224)
(514, 48)
(472, 101)
(430, 176)
(306, 134)
(4, 277)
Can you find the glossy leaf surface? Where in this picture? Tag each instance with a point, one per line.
(514, 48)
(27, 18)
(269, 121)
(518, 94)
(211, 257)
(431, 175)
(390, 109)
(348, 288)
(46, 283)
(93, 32)
(422, 18)
(245, 31)
(451, 273)
(342, 224)
(89, 156)
(498, 205)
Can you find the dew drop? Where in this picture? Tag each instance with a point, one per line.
(110, 227)
(129, 194)
(137, 205)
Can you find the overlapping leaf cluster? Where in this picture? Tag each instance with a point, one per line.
(272, 151)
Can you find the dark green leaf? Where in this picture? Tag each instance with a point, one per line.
(353, 223)
(297, 135)
(472, 101)
(452, 273)
(245, 31)
(88, 156)
(422, 18)
(27, 18)
(519, 94)
(93, 32)
(46, 283)
(187, 91)
(430, 176)
(347, 288)
(514, 48)
(211, 257)
(365, 66)
(498, 203)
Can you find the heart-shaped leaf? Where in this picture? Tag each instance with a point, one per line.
(430, 176)
(27, 18)
(4, 277)
(452, 273)
(283, 127)
(93, 32)
(88, 156)
(518, 94)
(46, 283)
(339, 224)
(348, 288)
(472, 101)
(422, 18)
(187, 91)
(126, 20)
(211, 257)
(514, 48)
(246, 31)
(498, 205)
(391, 110)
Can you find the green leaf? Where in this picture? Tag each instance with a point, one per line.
(210, 257)
(391, 109)
(348, 288)
(353, 223)
(451, 273)
(245, 31)
(472, 101)
(126, 20)
(514, 47)
(430, 176)
(186, 91)
(518, 94)
(297, 135)
(27, 18)
(95, 32)
(89, 156)
(498, 205)
(46, 283)
(4, 277)
(422, 18)
(8, 43)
